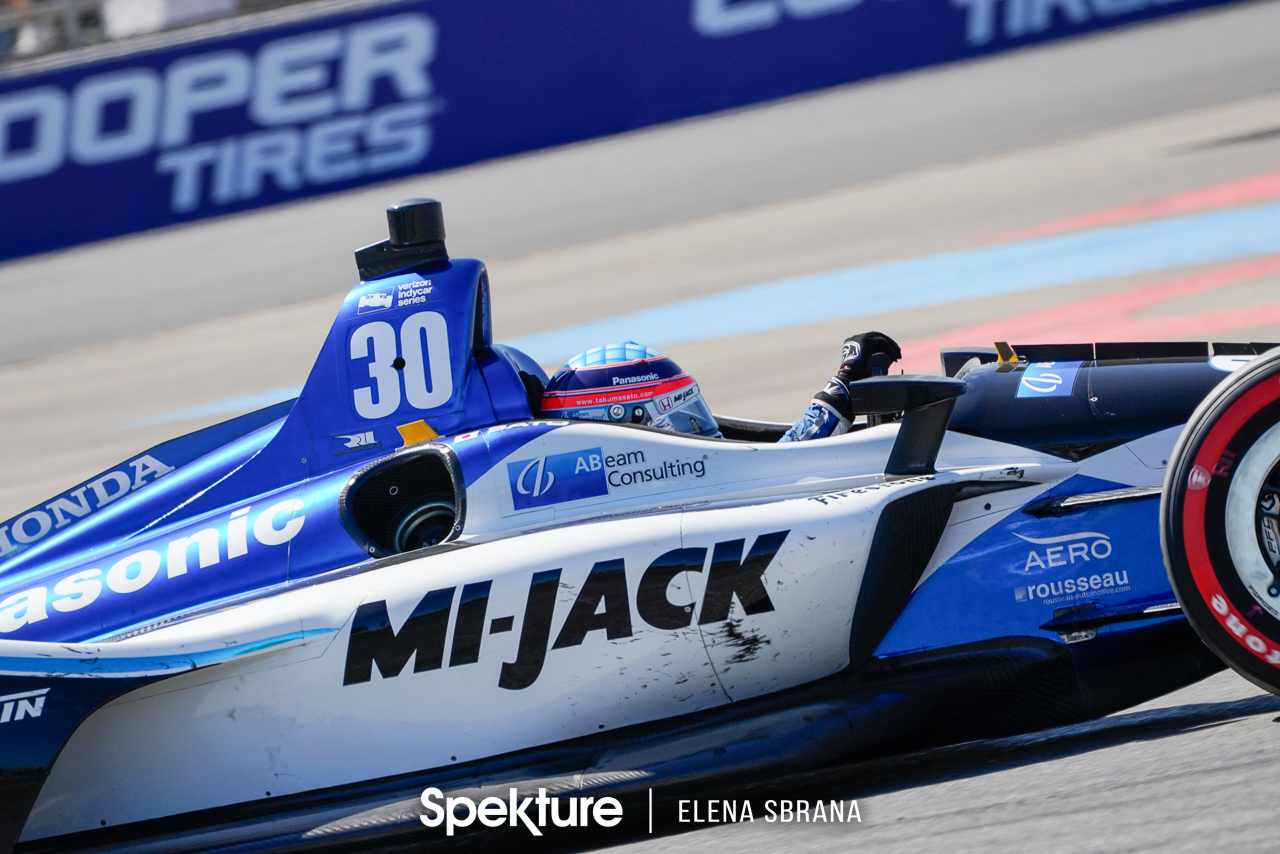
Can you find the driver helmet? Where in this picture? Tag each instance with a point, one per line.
(628, 383)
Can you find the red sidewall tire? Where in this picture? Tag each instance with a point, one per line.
(1193, 521)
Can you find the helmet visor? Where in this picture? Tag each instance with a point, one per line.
(692, 417)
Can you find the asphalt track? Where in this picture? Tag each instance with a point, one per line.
(1122, 186)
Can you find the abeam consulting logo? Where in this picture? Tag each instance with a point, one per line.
(556, 478)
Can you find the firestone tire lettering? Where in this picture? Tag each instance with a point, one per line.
(1217, 601)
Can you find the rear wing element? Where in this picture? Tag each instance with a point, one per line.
(926, 404)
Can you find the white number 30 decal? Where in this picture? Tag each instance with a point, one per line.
(383, 397)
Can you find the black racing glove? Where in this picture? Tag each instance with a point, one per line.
(868, 354)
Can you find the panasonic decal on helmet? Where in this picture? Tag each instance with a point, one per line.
(629, 383)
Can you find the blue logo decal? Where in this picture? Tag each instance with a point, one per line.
(1049, 379)
(557, 478)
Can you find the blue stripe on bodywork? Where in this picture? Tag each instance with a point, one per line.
(143, 665)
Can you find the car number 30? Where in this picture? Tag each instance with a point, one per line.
(427, 382)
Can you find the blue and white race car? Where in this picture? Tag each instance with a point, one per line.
(279, 631)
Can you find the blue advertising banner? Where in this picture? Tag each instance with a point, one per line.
(237, 121)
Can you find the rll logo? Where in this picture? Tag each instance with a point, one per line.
(357, 442)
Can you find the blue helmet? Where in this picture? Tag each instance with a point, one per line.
(630, 384)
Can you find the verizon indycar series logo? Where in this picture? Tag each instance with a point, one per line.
(403, 294)
(376, 301)
(1084, 553)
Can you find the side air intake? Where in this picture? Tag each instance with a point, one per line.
(409, 501)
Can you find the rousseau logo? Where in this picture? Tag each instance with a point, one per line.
(1086, 547)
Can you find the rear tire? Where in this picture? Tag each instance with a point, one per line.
(1220, 521)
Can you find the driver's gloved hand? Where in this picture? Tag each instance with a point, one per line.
(830, 413)
(868, 354)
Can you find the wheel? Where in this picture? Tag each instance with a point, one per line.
(426, 525)
(1220, 521)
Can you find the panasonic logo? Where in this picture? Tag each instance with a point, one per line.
(274, 526)
(643, 378)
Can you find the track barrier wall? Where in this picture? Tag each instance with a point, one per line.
(96, 146)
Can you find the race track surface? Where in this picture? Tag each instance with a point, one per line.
(1125, 186)
(1190, 772)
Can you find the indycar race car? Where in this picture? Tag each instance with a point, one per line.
(278, 632)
